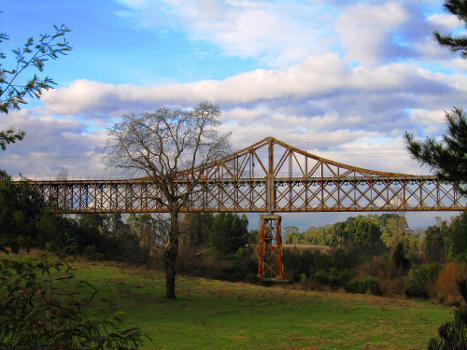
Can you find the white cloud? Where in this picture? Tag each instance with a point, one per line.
(51, 145)
(317, 79)
(278, 33)
(366, 30)
(444, 21)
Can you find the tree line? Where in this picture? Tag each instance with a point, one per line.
(374, 234)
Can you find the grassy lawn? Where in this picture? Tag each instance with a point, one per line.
(211, 314)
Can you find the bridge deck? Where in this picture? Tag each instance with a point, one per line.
(269, 176)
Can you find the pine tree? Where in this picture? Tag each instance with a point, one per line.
(449, 156)
(459, 43)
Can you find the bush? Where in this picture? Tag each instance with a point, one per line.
(244, 271)
(211, 264)
(420, 278)
(399, 257)
(91, 253)
(244, 252)
(332, 277)
(445, 287)
(124, 247)
(453, 334)
(332, 268)
(364, 285)
(42, 307)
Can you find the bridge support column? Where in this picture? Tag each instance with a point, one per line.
(270, 248)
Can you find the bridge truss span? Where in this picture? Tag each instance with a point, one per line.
(269, 176)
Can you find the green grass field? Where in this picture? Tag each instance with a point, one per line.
(211, 314)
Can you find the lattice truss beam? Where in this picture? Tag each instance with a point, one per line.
(269, 176)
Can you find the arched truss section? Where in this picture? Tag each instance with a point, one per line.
(269, 176)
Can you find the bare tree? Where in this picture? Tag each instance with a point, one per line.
(171, 147)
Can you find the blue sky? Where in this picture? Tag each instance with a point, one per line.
(342, 79)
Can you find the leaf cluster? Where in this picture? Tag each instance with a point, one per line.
(34, 53)
(13, 89)
(10, 135)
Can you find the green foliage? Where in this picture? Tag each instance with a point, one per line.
(244, 269)
(13, 90)
(419, 279)
(364, 285)
(457, 233)
(395, 229)
(21, 207)
(333, 269)
(453, 334)
(10, 135)
(293, 238)
(459, 43)
(32, 54)
(91, 253)
(97, 239)
(42, 306)
(25, 223)
(399, 257)
(332, 277)
(435, 243)
(449, 156)
(197, 226)
(144, 226)
(253, 236)
(361, 232)
(229, 232)
(446, 240)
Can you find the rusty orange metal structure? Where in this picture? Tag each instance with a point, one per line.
(270, 248)
(268, 177)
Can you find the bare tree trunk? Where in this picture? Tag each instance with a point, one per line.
(171, 257)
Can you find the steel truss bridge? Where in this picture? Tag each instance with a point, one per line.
(267, 177)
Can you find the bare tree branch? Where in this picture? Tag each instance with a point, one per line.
(171, 147)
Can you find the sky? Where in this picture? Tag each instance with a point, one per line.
(341, 79)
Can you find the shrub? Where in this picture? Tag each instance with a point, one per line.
(332, 277)
(332, 268)
(392, 287)
(420, 278)
(445, 287)
(244, 252)
(453, 334)
(364, 285)
(382, 267)
(125, 247)
(42, 308)
(321, 276)
(399, 257)
(91, 253)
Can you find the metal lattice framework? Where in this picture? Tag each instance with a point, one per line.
(269, 176)
(270, 248)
